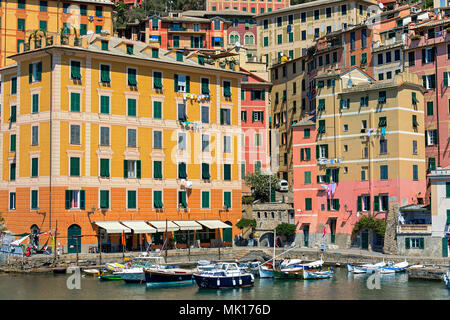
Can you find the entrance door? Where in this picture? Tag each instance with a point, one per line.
(333, 230)
(445, 244)
(228, 233)
(129, 242)
(306, 235)
(73, 242)
(365, 239)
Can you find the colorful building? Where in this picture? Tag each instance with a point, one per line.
(290, 31)
(368, 156)
(427, 55)
(105, 129)
(19, 19)
(247, 6)
(255, 110)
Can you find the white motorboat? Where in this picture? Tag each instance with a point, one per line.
(447, 279)
(135, 271)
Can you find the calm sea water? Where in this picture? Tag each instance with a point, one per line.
(343, 286)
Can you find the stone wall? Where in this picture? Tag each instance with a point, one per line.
(390, 242)
(432, 246)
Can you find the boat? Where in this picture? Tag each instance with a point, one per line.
(394, 268)
(265, 271)
(168, 277)
(314, 275)
(225, 275)
(447, 279)
(91, 272)
(250, 267)
(134, 273)
(109, 276)
(295, 267)
(114, 267)
(365, 268)
(59, 270)
(205, 265)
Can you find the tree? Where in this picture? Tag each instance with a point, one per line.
(244, 223)
(260, 184)
(371, 223)
(2, 225)
(286, 229)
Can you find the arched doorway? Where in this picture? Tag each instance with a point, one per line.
(73, 241)
(227, 233)
(266, 239)
(34, 230)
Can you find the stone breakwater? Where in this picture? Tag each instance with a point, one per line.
(182, 257)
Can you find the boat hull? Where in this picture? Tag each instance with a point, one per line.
(265, 273)
(317, 275)
(109, 277)
(133, 277)
(222, 282)
(160, 278)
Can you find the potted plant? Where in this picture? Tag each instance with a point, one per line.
(77, 41)
(415, 37)
(63, 36)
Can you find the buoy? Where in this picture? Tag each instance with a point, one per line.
(240, 281)
(218, 282)
(234, 282)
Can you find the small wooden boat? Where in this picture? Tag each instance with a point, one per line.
(365, 268)
(59, 270)
(168, 277)
(109, 276)
(226, 275)
(310, 275)
(394, 268)
(91, 272)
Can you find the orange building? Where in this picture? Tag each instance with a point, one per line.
(21, 18)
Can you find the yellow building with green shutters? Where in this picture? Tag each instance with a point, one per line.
(105, 130)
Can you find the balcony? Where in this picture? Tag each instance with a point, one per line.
(414, 228)
(417, 41)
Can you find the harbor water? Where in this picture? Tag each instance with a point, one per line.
(344, 286)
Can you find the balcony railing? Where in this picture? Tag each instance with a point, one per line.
(414, 228)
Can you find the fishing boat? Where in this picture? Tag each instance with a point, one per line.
(134, 273)
(168, 276)
(394, 268)
(91, 272)
(447, 279)
(225, 275)
(365, 268)
(315, 275)
(109, 276)
(250, 267)
(295, 267)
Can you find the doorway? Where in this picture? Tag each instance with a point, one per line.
(74, 239)
(333, 230)
(365, 239)
(306, 235)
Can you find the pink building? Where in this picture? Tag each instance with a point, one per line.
(255, 7)
(428, 55)
(254, 123)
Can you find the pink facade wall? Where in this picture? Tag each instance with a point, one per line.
(242, 30)
(247, 5)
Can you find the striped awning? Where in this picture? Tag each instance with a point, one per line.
(214, 224)
(139, 226)
(160, 225)
(188, 225)
(112, 226)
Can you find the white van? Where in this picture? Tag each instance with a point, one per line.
(283, 186)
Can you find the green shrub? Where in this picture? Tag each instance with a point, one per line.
(286, 229)
(371, 223)
(243, 223)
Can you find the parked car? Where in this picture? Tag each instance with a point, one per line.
(283, 186)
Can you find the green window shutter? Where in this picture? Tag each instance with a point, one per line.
(138, 169)
(448, 211)
(205, 171)
(307, 177)
(414, 121)
(227, 89)
(157, 80)
(12, 147)
(157, 169)
(205, 86)
(359, 203)
(74, 102)
(83, 29)
(227, 171)
(131, 199)
(302, 154)
(104, 167)
(104, 199)
(104, 104)
(132, 81)
(308, 153)
(205, 199)
(328, 176)
(75, 166)
(227, 199)
(155, 52)
(125, 169)
(129, 49)
(182, 170)
(13, 113)
(105, 45)
(82, 199)
(179, 56)
(182, 199)
(445, 79)
(407, 243)
(175, 82)
(336, 204)
(67, 199)
(306, 133)
(21, 24)
(243, 171)
(157, 110)
(353, 60)
(39, 71)
(34, 199)
(35, 103)
(447, 189)
(257, 166)
(132, 107)
(317, 152)
(34, 167)
(328, 204)
(421, 243)
(326, 151)
(444, 247)
(430, 109)
(157, 199)
(104, 74)
(376, 203)
(14, 85)
(188, 84)
(431, 164)
(415, 172)
(30, 73)
(308, 204)
(12, 174)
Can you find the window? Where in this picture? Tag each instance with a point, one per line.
(132, 81)
(205, 171)
(363, 203)
(411, 58)
(205, 199)
(182, 112)
(104, 199)
(157, 139)
(388, 57)
(363, 173)
(21, 24)
(384, 202)
(131, 199)
(66, 7)
(414, 243)
(306, 133)
(414, 149)
(258, 139)
(157, 169)
(266, 41)
(74, 166)
(328, 12)
(431, 137)
(132, 169)
(321, 128)
(397, 55)
(382, 97)
(83, 10)
(43, 25)
(75, 100)
(380, 58)
(75, 136)
(352, 60)
(98, 11)
(35, 103)
(104, 136)
(104, 168)
(352, 41)
(43, 6)
(244, 116)
(83, 29)
(104, 45)
(205, 86)
(75, 67)
(35, 135)
(157, 199)
(131, 107)
(316, 14)
(181, 141)
(227, 172)
(363, 38)
(34, 72)
(13, 113)
(227, 144)
(227, 89)
(364, 101)
(216, 24)
(12, 201)
(75, 199)
(257, 116)
(19, 43)
(131, 138)
(157, 109)
(280, 39)
(303, 16)
(12, 171)
(225, 116)
(430, 108)
(104, 74)
(307, 177)
(303, 34)
(155, 53)
(431, 164)
(316, 33)
(383, 146)
(428, 55)
(182, 172)
(205, 114)
(34, 199)
(227, 199)
(389, 75)
(381, 76)
(415, 172)
(205, 143)
(323, 151)
(157, 80)
(308, 204)
(383, 172)
(344, 9)
(305, 154)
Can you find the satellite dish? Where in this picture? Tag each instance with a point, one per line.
(381, 5)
